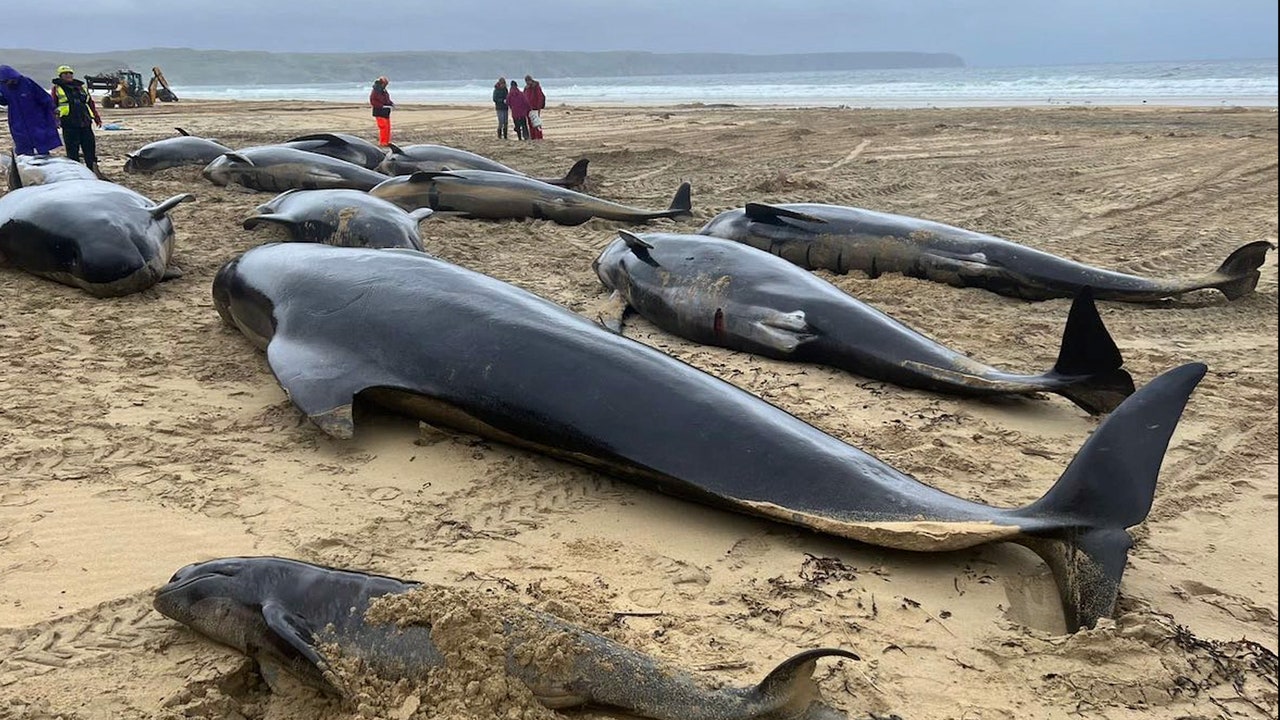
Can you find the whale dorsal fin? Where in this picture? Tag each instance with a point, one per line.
(395, 149)
(329, 138)
(238, 157)
(761, 212)
(633, 241)
(182, 132)
(429, 175)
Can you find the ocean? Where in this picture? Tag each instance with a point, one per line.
(1192, 83)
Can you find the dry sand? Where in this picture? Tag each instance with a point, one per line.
(140, 434)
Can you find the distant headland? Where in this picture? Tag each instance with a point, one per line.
(183, 66)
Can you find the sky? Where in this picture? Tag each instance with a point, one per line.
(983, 32)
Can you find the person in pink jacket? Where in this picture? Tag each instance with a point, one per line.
(519, 105)
(537, 102)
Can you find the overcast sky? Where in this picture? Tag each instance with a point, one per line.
(983, 32)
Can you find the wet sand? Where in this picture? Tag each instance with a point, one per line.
(140, 434)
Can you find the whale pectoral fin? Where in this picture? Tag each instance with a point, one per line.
(613, 312)
(556, 698)
(323, 175)
(254, 221)
(160, 210)
(779, 331)
(172, 272)
(293, 630)
(320, 381)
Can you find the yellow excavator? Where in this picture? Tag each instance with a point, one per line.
(125, 89)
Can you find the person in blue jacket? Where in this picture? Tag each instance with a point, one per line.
(33, 118)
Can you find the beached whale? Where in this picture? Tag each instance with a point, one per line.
(186, 149)
(348, 218)
(32, 170)
(456, 348)
(503, 196)
(95, 235)
(718, 292)
(841, 239)
(274, 168)
(435, 158)
(342, 146)
(293, 616)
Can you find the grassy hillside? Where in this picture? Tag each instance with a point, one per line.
(219, 67)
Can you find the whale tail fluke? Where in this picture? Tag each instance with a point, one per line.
(682, 203)
(576, 176)
(1079, 526)
(790, 691)
(1238, 275)
(1088, 352)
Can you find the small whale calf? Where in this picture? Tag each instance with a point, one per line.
(292, 617)
(184, 150)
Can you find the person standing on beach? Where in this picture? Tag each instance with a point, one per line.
(537, 101)
(78, 114)
(380, 100)
(519, 105)
(33, 118)
(500, 106)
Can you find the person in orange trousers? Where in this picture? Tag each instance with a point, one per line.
(380, 100)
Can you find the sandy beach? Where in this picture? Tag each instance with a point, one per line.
(140, 434)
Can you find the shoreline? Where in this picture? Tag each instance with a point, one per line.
(1263, 102)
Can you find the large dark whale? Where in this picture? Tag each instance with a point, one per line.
(342, 146)
(95, 235)
(275, 168)
(186, 149)
(841, 239)
(719, 292)
(435, 158)
(460, 349)
(290, 616)
(503, 196)
(348, 218)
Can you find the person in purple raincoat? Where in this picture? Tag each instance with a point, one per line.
(33, 118)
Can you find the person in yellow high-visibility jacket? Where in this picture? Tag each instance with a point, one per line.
(77, 114)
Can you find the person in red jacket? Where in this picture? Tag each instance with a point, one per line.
(537, 101)
(380, 100)
(519, 106)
